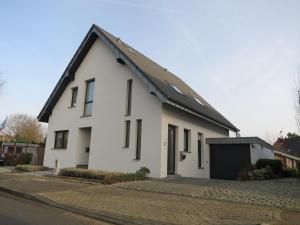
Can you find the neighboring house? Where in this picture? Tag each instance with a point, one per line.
(114, 109)
(288, 151)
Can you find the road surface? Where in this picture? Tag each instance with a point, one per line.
(17, 211)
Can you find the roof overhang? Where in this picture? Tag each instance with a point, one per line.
(239, 140)
(286, 155)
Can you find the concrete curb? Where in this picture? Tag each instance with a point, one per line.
(88, 213)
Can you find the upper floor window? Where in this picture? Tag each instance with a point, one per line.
(89, 95)
(176, 89)
(74, 96)
(186, 134)
(128, 97)
(197, 100)
(61, 139)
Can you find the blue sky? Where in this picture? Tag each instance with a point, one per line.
(241, 56)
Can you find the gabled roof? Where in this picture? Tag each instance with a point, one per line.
(289, 146)
(160, 81)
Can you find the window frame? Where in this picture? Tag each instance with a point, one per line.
(127, 134)
(74, 100)
(186, 140)
(128, 97)
(87, 82)
(139, 125)
(64, 142)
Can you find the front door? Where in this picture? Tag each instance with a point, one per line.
(171, 149)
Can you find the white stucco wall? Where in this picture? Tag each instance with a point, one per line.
(260, 152)
(189, 166)
(107, 121)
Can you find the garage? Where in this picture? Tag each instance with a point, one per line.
(228, 159)
(228, 156)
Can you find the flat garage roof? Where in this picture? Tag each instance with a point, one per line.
(239, 140)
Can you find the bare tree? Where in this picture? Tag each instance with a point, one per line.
(23, 127)
(297, 99)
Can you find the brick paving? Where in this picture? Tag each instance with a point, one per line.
(157, 208)
(147, 207)
(282, 193)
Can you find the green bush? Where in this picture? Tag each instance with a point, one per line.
(30, 168)
(275, 165)
(289, 173)
(87, 173)
(298, 168)
(143, 170)
(27, 158)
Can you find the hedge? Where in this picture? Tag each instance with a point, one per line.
(105, 177)
(30, 168)
(87, 173)
(275, 165)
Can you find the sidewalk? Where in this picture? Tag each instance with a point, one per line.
(139, 207)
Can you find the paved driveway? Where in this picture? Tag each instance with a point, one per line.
(282, 193)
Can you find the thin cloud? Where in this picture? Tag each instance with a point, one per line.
(137, 5)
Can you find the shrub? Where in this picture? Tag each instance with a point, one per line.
(143, 170)
(30, 168)
(289, 173)
(87, 173)
(275, 165)
(124, 178)
(27, 158)
(18, 159)
(243, 175)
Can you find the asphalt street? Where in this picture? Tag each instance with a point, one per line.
(18, 211)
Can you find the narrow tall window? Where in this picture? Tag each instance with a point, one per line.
(186, 134)
(74, 96)
(128, 97)
(61, 139)
(199, 150)
(127, 133)
(89, 95)
(138, 139)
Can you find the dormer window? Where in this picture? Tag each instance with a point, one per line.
(176, 89)
(197, 100)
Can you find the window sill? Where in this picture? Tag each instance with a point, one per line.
(71, 107)
(125, 147)
(84, 116)
(189, 152)
(58, 148)
(201, 168)
(136, 159)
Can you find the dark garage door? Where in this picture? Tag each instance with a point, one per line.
(227, 160)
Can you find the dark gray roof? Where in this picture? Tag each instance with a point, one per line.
(289, 146)
(239, 140)
(157, 78)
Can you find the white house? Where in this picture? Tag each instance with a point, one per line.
(114, 109)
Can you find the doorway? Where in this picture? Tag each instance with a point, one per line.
(84, 139)
(171, 149)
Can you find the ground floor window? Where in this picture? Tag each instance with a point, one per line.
(199, 150)
(138, 139)
(61, 139)
(127, 133)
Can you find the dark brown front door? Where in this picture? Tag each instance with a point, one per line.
(171, 149)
